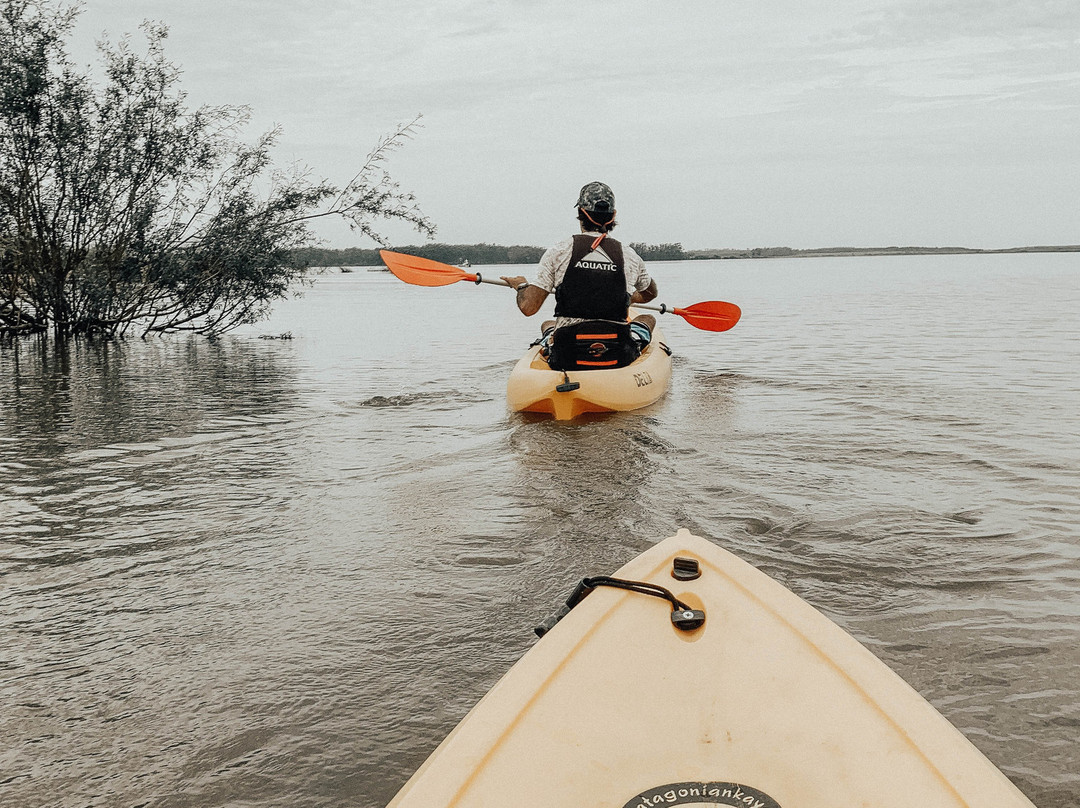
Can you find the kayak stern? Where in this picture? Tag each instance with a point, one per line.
(533, 385)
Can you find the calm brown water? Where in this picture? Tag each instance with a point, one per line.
(276, 573)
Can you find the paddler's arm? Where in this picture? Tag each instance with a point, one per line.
(530, 298)
(646, 294)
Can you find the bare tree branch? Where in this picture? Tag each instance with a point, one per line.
(119, 205)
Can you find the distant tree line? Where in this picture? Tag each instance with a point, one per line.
(839, 252)
(756, 252)
(460, 253)
(494, 254)
(446, 253)
(351, 257)
(659, 252)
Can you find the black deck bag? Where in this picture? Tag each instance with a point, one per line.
(593, 345)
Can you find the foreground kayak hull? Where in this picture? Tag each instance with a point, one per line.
(768, 704)
(532, 385)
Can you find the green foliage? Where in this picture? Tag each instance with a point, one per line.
(327, 257)
(122, 208)
(447, 253)
(756, 252)
(659, 252)
(476, 253)
(460, 253)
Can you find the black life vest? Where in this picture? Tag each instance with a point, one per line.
(594, 290)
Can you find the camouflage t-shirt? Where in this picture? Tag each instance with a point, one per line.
(554, 262)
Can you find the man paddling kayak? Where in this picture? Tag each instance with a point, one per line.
(594, 277)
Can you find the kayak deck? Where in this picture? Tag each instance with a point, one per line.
(767, 704)
(532, 386)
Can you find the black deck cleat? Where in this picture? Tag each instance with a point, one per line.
(685, 569)
(687, 619)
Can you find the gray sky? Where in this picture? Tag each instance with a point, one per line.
(718, 123)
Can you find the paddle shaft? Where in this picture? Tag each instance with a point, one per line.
(663, 308)
(477, 278)
(710, 315)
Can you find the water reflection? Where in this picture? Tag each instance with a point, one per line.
(105, 446)
(85, 392)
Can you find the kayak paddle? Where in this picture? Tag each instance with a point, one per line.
(711, 315)
(425, 272)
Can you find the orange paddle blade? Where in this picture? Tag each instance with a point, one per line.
(423, 271)
(712, 315)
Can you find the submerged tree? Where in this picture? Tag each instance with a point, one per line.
(122, 209)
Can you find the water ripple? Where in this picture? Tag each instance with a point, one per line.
(259, 572)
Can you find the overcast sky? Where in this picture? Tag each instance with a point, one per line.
(718, 123)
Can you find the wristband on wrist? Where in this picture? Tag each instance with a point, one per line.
(521, 286)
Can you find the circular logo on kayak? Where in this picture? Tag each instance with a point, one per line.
(703, 794)
(597, 349)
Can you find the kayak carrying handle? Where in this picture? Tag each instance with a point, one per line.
(567, 386)
(683, 617)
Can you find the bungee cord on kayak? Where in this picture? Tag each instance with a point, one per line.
(683, 616)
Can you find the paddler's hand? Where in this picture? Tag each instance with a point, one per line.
(530, 298)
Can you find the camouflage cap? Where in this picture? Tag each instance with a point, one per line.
(597, 197)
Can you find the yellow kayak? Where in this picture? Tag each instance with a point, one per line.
(534, 387)
(631, 701)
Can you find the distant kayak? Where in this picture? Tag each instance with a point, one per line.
(723, 689)
(534, 387)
